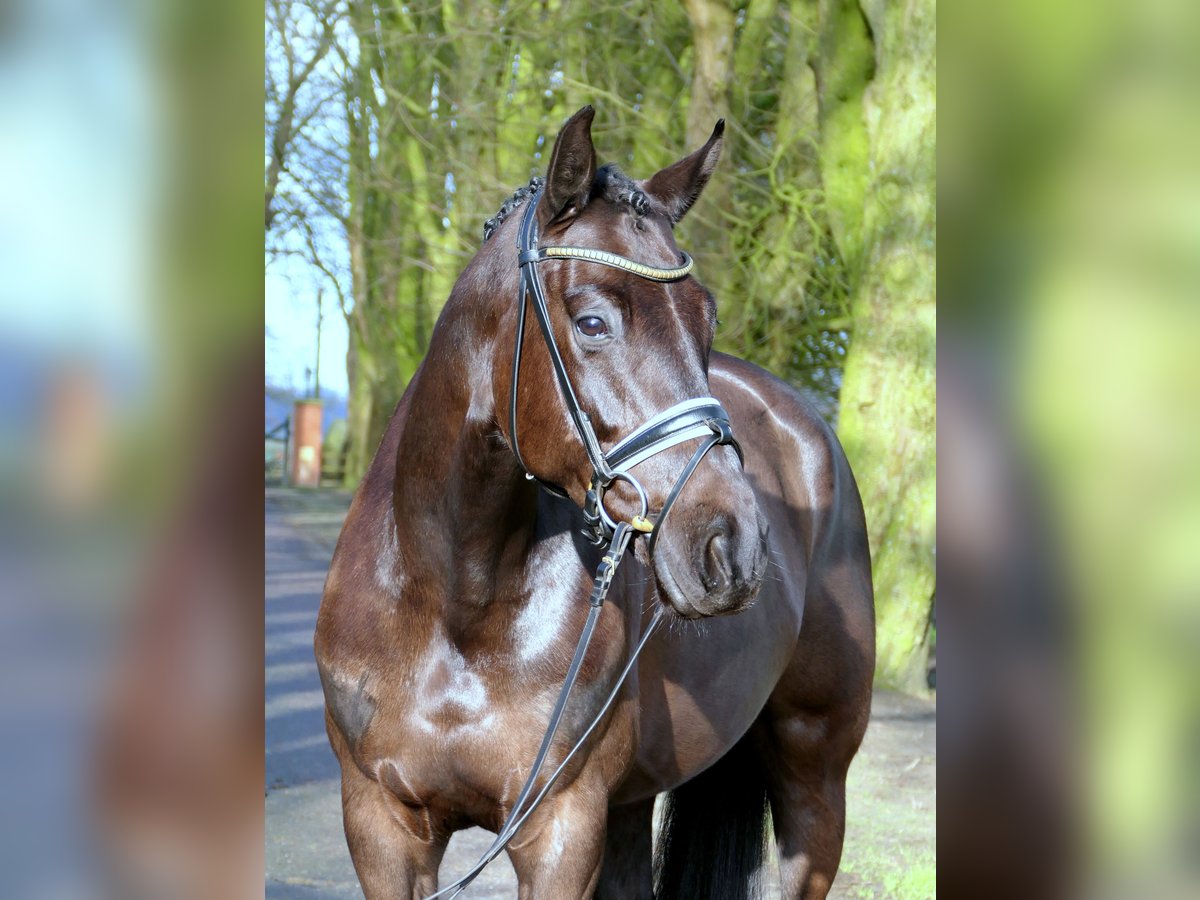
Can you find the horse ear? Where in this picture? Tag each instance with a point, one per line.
(571, 172)
(679, 185)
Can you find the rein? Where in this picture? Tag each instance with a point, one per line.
(702, 417)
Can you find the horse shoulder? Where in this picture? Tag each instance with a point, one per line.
(835, 654)
(800, 460)
(361, 595)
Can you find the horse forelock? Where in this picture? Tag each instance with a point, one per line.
(616, 187)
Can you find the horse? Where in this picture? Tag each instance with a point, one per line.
(460, 580)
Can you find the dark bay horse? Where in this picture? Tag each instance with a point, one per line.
(459, 586)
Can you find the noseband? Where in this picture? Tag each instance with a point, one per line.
(703, 417)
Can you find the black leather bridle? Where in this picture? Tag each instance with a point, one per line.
(703, 417)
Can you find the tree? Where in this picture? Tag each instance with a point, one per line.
(878, 124)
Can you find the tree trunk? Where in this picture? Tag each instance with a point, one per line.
(358, 415)
(712, 40)
(888, 391)
(712, 24)
(844, 67)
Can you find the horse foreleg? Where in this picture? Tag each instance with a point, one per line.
(806, 784)
(395, 851)
(628, 849)
(558, 853)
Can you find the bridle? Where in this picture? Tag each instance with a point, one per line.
(702, 417)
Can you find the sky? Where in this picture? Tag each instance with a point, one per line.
(291, 288)
(291, 329)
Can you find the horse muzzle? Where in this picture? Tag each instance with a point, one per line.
(716, 566)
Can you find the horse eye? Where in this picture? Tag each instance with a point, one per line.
(591, 326)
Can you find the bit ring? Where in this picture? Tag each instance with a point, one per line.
(641, 492)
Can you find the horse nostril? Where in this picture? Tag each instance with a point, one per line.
(716, 573)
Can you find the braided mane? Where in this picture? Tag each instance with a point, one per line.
(611, 184)
(519, 196)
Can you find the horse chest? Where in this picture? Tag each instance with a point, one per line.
(443, 695)
(452, 734)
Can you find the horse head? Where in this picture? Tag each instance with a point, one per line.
(632, 345)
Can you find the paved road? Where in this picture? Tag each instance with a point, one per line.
(306, 854)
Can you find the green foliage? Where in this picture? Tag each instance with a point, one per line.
(909, 876)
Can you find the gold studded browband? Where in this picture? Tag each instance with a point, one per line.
(604, 258)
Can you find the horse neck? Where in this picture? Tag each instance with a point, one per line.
(464, 511)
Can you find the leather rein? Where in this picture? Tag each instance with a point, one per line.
(702, 417)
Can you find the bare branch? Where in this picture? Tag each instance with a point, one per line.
(285, 126)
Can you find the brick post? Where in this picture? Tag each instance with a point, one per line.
(306, 443)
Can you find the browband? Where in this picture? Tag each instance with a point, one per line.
(604, 258)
